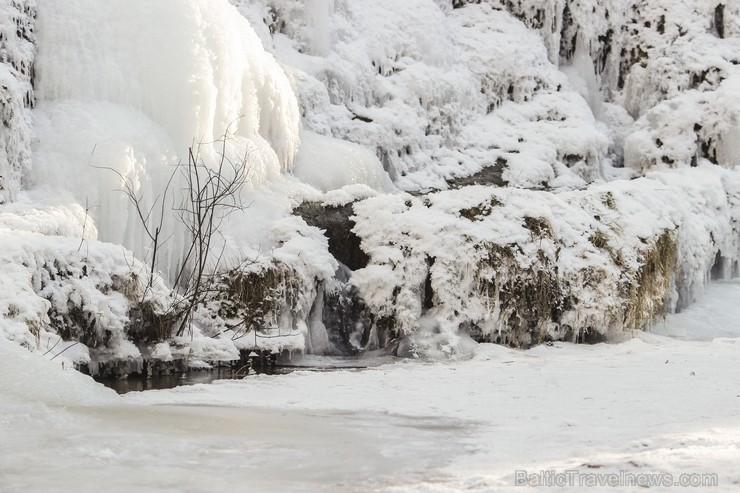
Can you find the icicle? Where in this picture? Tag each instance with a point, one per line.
(317, 341)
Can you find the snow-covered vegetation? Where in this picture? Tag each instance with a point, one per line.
(514, 172)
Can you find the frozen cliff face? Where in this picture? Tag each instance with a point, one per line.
(687, 128)
(683, 85)
(651, 49)
(208, 73)
(17, 50)
(505, 121)
(410, 81)
(648, 55)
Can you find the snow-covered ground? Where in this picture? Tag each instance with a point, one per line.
(650, 405)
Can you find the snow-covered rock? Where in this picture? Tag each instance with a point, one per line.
(523, 267)
(59, 284)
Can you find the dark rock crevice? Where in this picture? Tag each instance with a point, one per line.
(337, 224)
(489, 176)
(719, 20)
(348, 321)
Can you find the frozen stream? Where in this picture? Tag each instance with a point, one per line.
(124, 448)
(653, 404)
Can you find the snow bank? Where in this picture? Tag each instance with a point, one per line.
(62, 285)
(265, 304)
(90, 304)
(42, 382)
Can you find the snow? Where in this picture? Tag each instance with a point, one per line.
(129, 121)
(330, 164)
(708, 319)
(674, 132)
(644, 54)
(652, 404)
(389, 106)
(477, 244)
(141, 110)
(410, 90)
(72, 285)
(16, 94)
(351, 101)
(43, 383)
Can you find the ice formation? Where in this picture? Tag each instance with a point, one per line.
(516, 171)
(331, 164)
(419, 93)
(141, 110)
(130, 121)
(17, 41)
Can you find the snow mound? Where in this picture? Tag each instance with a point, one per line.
(42, 381)
(66, 288)
(330, 164)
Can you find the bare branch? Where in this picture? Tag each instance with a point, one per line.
(208, 196)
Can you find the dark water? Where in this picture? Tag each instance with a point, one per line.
(138, 384)
(192, 377)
